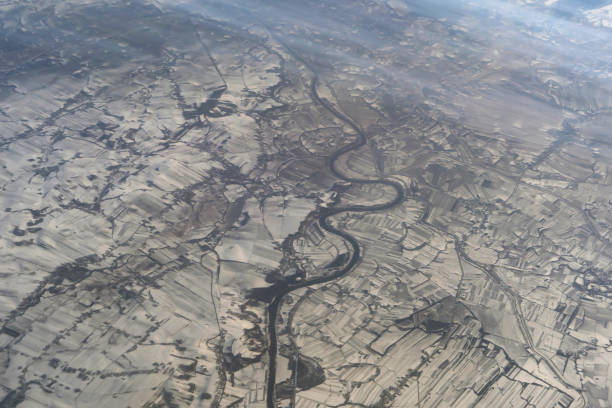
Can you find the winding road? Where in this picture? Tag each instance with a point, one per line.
(324, 217)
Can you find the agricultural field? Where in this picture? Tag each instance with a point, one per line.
(305, 204)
